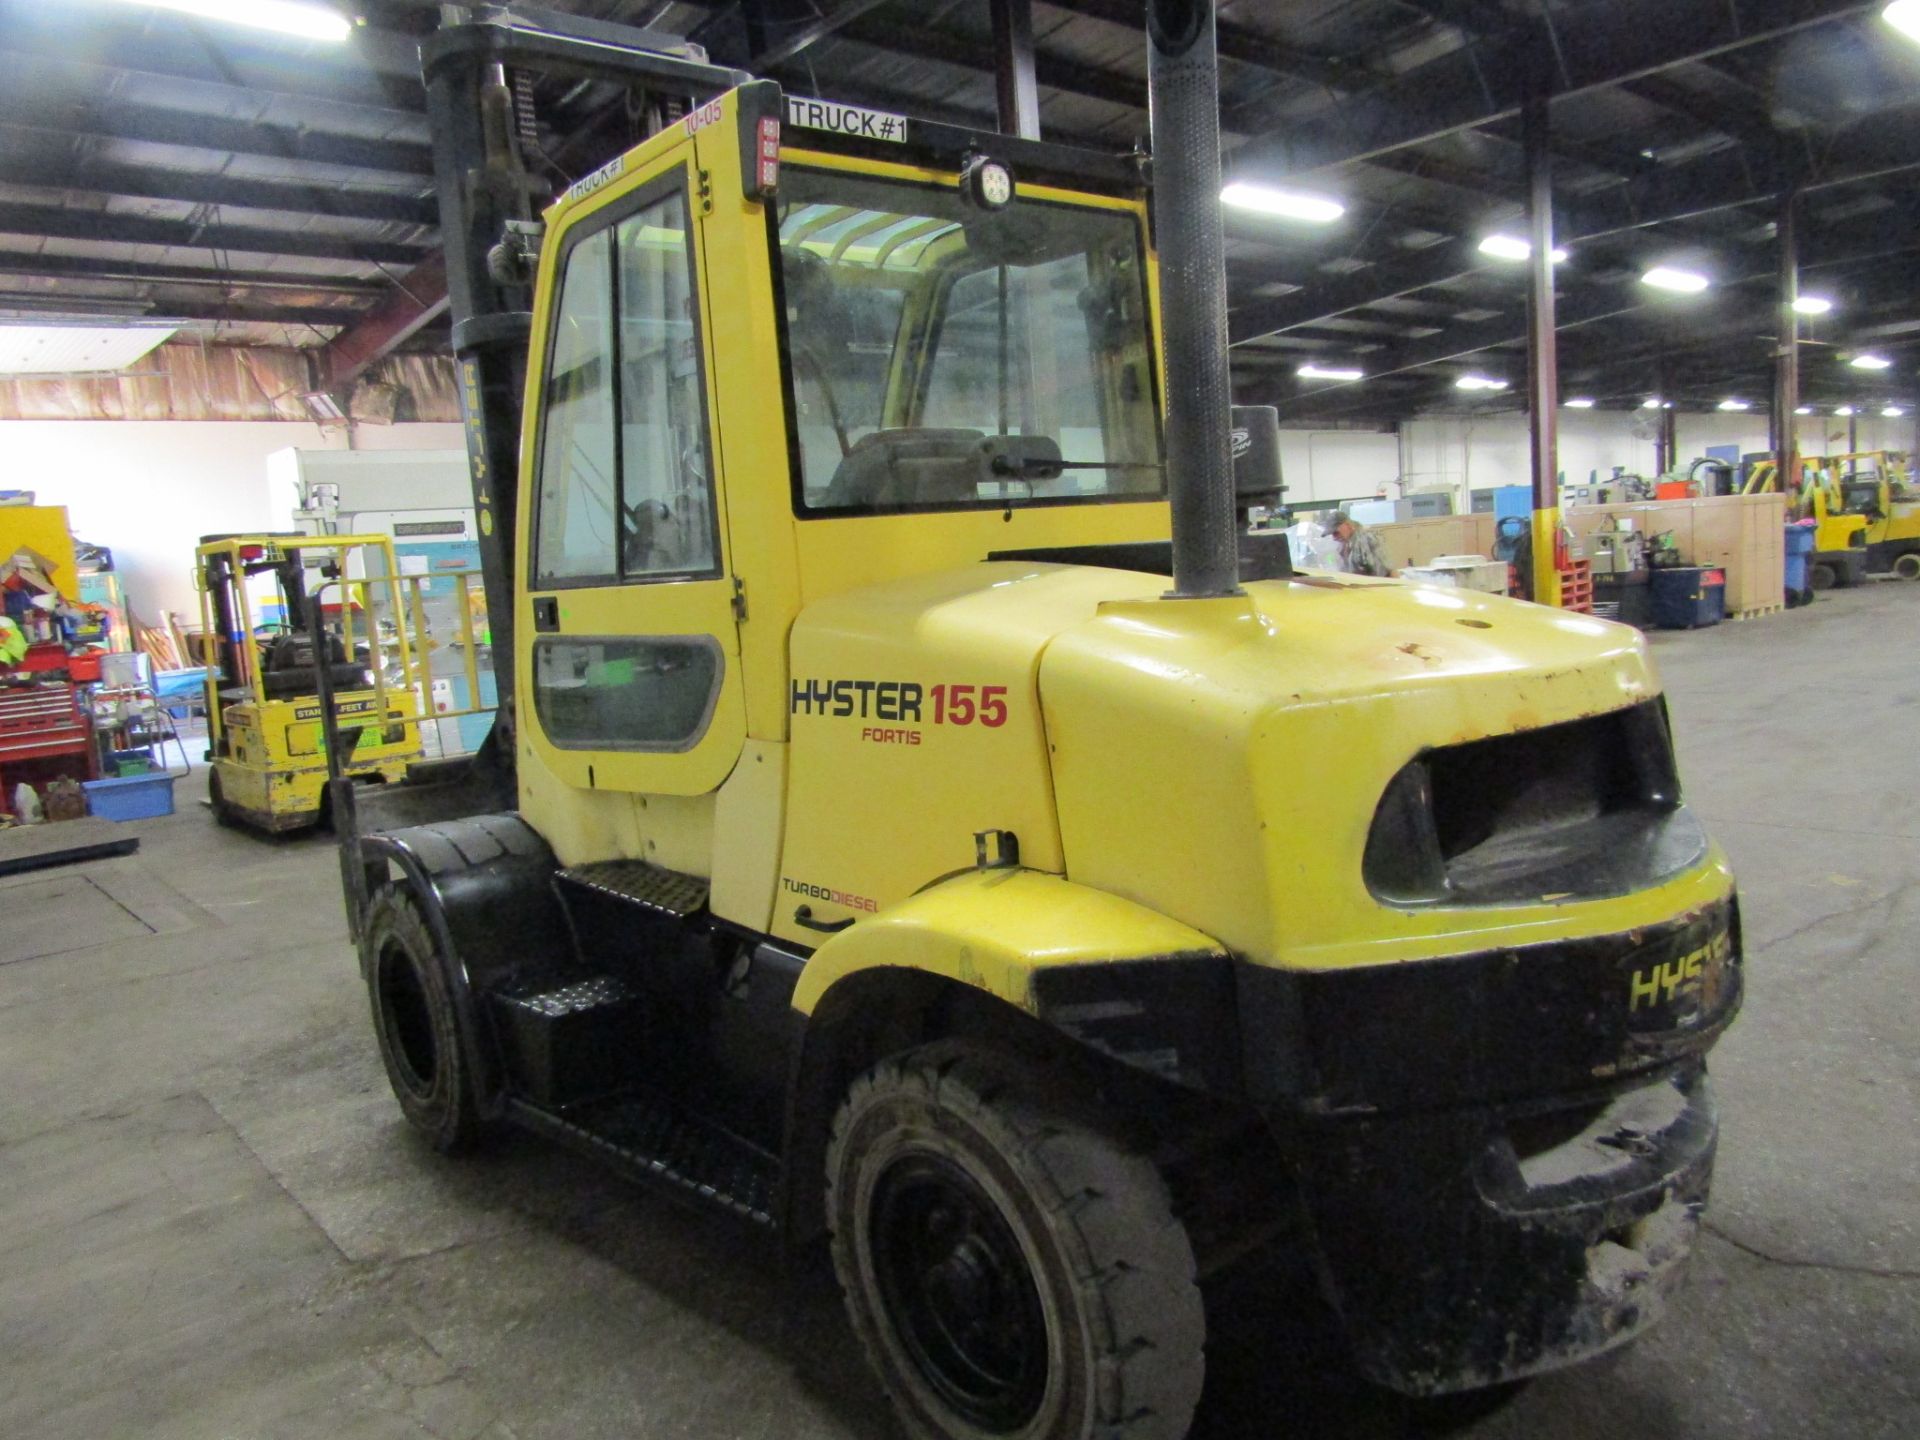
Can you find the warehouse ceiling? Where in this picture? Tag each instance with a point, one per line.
(261, 189)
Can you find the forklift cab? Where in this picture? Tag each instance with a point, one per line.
(747, 402)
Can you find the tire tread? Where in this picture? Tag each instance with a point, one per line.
(1130, 1258)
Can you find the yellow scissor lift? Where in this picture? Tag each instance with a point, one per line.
(266, 739)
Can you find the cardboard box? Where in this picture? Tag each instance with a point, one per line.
(1415, 543)
(1745, 535)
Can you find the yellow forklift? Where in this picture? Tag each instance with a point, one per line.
(1873, 484)
(264, 733)
(922, 821)
(1839, 535)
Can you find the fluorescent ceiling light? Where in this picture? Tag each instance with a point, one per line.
(1893, 412)
(1804, 410)
(288, 17)
(1287, 204)
(1652, 402)
(1479, 382)
(1845, 411)
(1684, 282)
(1509, 247)
(75, 349)
(1581, 404)
(1813, 305)
(1871, 362)
(1904, 16)
(1319, 372)
(1735, 405)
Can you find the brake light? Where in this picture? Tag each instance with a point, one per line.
(767, 154)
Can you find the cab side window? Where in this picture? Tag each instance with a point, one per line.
(626, 492)
(579, 496)
(666, 496)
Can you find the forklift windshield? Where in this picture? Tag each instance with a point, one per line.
(944, 356)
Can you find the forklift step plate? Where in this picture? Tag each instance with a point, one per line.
(647, 1139)
(666, 892)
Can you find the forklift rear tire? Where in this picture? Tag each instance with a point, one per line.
(1907, 567)
(417, 1027)
(1010, 1267)
(1823, 577)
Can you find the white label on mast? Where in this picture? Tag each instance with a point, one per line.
(831, 115)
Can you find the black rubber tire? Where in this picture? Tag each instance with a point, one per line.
(1109, 1264)
(416, 1025)
(1907, 566)
(1823, 577)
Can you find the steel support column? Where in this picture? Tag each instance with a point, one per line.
(1013, 77)
(1543, 356)
(1783, 432)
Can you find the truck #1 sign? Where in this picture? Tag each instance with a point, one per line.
(830, 115)
(902, 706)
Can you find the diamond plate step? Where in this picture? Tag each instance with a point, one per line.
(666, 892)
(645, 1138)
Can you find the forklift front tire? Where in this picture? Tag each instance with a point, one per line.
(1907, 567)
(415, 1022)
(1010, 1267)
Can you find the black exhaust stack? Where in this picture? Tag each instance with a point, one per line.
(1184, 97)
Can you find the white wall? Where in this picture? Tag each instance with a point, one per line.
(1818, 434)
(1493, 450)
(1337, 464)
(148, 490)
(1473, 454)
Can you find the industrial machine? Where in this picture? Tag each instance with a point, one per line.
(265, 736)
(1840, 538)
(917, 820)
(1873, 484)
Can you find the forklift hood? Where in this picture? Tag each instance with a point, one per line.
(1336, 771)
(1320, 773)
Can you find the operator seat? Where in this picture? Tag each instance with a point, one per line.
(286, 670)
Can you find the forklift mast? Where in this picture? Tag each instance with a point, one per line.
(487, 217)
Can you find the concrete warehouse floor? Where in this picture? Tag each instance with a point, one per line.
(214, 1223)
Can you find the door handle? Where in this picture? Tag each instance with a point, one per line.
(546, 613)
(804, 916)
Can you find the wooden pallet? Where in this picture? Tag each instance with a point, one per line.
(1756, 612)
(1576, 587)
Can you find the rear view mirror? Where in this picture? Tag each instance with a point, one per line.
(1256, 454)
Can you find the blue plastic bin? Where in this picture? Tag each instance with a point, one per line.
(1688, 597)
(1799, 559)
(130, 797)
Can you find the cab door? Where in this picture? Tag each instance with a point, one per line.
(628, 639)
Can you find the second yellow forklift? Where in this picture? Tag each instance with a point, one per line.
(265, 738)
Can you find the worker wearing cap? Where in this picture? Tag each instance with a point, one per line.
(1360, 549)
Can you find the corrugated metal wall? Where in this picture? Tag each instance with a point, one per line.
(183, 380)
